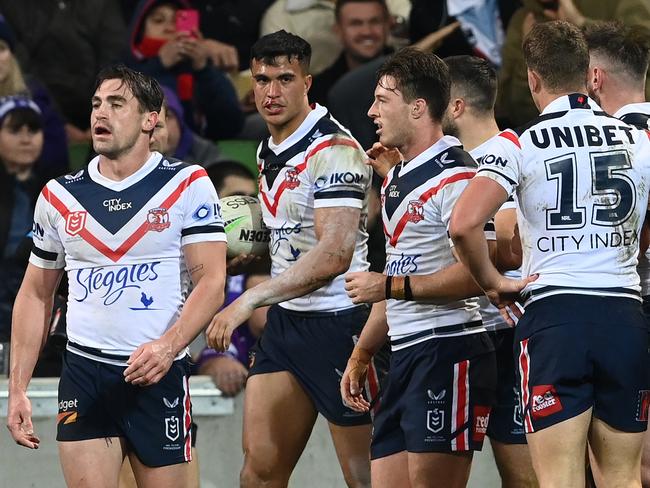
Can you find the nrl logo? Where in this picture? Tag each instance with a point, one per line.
(172, 428)
(435, 420)
(75, 222)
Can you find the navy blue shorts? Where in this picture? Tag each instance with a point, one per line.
(579, 351)
(438, 397)
(96, 402)
(315, 347)
(506, 421)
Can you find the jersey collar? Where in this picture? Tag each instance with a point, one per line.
(572, 101)
(445, 142)
(147, 167)
(633, 108)
(317, 113)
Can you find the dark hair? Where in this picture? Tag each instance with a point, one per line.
(625, 46)
(557, 52)
(419, 75)
(145, 89)
(475, 80)
(341, 3)
(282, 43)
(23, 117)
(219, 171)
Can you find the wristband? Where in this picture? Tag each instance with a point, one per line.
(398, 288)
(408, 294)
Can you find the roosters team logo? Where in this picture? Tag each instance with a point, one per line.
(291, 179)
(158, 219)
(415, 211)
(75, 222)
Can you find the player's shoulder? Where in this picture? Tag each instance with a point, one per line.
(173, 165)
(73, 178)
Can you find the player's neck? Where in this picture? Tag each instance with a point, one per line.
(477, 130)
(279, 133)
(613, 102)
(124, 165)
(422, 139)
(545, 98)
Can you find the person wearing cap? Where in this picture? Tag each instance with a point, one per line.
(13, 82)
(21, 143)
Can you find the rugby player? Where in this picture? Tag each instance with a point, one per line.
(122, 228)
(581, 183)
(314, 187)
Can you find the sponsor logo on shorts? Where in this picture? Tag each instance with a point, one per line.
(435, 420)
(66, 413)
(437, 397)
(517, 416)
(545, 401)
(481, 420)
(172, 404)
(642, 406)
(172, 428)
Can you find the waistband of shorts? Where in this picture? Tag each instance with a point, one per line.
(551, 290)
(92, 351)
(324, 314)
(436, 332)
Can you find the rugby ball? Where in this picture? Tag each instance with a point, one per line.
(245, 229)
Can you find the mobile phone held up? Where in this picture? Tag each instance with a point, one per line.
(187, 20)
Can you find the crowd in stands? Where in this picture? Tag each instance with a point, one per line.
(51, 51)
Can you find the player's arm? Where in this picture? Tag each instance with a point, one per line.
(505, 222)
(372, 337)
(336, 231)
(206, 263)
(30, 322)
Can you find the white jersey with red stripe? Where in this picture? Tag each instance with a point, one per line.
(121, 243)
(581, 181)
(319, 166)
(638, 115)
(490, 314)
(417, 200)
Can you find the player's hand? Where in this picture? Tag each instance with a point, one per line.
(382, 158)
(568, 11)
(237, 265)
(353, 379)
(149, 363)
(223, 55)
(19, 420)
(223, 324)
(365, 286)
(228, 374)
(505, 295)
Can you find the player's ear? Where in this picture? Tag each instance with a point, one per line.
(418, 108)
(457, 106)
(596, 76)
(150, 121)
(308, 80)
(534, 82)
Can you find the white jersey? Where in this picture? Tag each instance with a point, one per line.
(581, 182)
(492, 319)
(638, 115)
(417, 200)
(320, 165)
(121, 245)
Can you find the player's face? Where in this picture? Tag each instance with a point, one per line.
(160, 135)
(116, 121)
(390, 113)
(449, 125)
(280, 90)
(160, 23)
(19, 147)
(363, 28)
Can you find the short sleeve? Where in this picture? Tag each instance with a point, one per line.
(202, 212)
(47, 250)
(501, 161)
(340, 175)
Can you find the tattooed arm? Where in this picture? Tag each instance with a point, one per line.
(336, 230)
(206, 262)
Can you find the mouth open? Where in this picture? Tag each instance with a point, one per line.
(101, 131)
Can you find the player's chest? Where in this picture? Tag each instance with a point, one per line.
(286, 193)
(408, 209)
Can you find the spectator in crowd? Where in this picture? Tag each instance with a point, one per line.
(231, 27)
(13, 82)
(183, 143)
(181, 61)
(515, 105)
(363, 27)
(21, 143)
(63, 44)
(229, 369)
